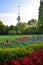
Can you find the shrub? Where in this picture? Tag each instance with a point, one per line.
(12, 32)
(18, 52)
(35, 58)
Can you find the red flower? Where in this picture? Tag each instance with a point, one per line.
(35, 58)
(15, 62)
(7, 62)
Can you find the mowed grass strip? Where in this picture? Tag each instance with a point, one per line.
(13, 37)
(10, 37)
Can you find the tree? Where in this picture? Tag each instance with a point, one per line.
(2, 28)
(1, 23)
(40, 23)
(32, 22)
(29, 23)
(21, 26)
(6, 29)
(26, 31)
(11, 27)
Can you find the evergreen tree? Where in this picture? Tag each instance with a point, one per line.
(40, 23)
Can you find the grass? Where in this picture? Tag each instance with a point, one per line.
(10, 37)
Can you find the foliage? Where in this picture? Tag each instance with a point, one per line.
(35, 58)
(20, 28)
(40, 23)
(32, 22)
(14, 53)
(2, 28)
(12, 32)
(23, 41)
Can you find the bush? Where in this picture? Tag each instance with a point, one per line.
(15, 53)
(12, 32)
(35, 58)
(19, 32)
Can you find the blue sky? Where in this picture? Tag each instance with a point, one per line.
(9, 10)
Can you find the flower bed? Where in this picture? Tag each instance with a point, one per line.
(21, 42)
(35, 58)
(24, 38)
(15, 53)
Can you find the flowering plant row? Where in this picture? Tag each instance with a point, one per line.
(15, 53)
(21, 41)
(35, 58)
(24, 38)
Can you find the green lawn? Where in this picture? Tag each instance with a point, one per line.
(10, 37)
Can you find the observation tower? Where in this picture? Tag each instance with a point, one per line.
(18, 18)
